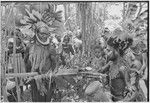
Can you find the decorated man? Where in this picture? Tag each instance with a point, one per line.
(39, 25)
(118, 44)
(67, 49)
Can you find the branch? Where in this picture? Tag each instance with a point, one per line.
(69, 18)
(143, 4)
(139, 10)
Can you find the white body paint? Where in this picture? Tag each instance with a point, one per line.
(143, 87)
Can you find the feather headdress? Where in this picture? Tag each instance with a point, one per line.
(31, 21)
(121, 40)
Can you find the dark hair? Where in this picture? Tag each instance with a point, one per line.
(134, 6)
(66, 38)
(120, 45)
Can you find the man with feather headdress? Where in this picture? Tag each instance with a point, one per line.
(121, 42)
(39, 25)
(139, 47)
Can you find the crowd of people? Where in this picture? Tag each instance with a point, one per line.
(125, 66)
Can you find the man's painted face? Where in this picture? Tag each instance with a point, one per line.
(10, 45)
(66, 39)
(98, 53)
(108, 50)
(43, 34)
(136, 64)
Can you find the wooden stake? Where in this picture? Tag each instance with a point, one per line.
(14, 61)
(4, 72)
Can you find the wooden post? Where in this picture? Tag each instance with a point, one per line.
(15, 68)
(14, 60)
(4, 73)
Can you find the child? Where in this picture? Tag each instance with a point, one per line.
(67, 51)
(98, 61)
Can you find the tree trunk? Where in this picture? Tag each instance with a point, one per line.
(78, 16)
(67, 15)
(65, 9)
(104, 12)
(83, 17)
(87, 27)
(124, 10)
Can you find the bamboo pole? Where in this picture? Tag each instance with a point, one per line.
(14, 59)
(5, 57)
(60, 72)
(4, 76)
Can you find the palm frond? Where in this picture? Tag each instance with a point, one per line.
(50, 8)
(31, 15)
(50, 13)
(37, 15)
(144, 14)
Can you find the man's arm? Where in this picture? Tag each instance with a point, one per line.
(71, 49)
(127, 78)
(144, 62)
(107, 65)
